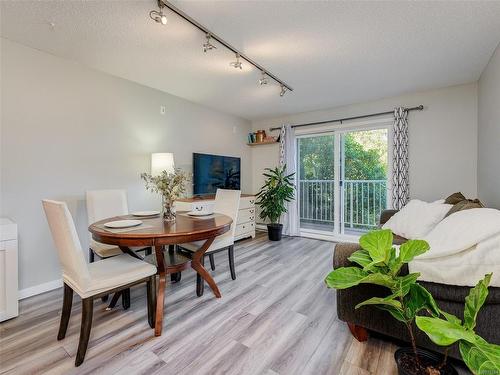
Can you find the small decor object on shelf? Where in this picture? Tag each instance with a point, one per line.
(261, 138)
(260, 135)
(171, 185)
(278, 189)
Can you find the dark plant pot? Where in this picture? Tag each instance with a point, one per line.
(404, 360)
(274, 231)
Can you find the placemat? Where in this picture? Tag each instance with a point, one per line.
(124, 230)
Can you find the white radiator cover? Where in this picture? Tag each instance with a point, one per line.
(8, 270)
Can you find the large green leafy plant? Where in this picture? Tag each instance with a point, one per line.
(379, 263)
(480, 356)
(278, 189)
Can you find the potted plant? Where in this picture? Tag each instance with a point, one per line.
(170, 185)
(278, 189)
(480, 356)
(380, 264)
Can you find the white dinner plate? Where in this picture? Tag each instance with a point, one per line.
(122, 223)
(199, 213)
(145, 213)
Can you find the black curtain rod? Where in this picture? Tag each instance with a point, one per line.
(418, 108)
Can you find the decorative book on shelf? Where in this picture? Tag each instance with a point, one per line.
(260, 138)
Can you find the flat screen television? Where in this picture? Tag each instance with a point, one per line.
(212, 172)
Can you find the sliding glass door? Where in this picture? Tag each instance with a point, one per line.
(316, 177)
(342, 180)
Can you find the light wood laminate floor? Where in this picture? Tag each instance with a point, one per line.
(277, 317)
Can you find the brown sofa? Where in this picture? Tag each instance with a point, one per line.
(450, 298)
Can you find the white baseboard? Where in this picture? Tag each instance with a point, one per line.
(39, 289)
(318, 235)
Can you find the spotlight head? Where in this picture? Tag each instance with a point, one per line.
(263, 79)
(158, 16)
(283, 90)
(236, 64)
(207, 46)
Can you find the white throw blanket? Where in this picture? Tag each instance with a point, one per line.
(463, 248)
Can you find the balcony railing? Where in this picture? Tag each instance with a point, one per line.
(363, 200)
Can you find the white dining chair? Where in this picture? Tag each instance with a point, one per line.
(91, 280)
(227, 202)
(102, 204)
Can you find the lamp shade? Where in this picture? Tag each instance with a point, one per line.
(162, 161)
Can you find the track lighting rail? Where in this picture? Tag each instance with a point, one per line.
(213, 36)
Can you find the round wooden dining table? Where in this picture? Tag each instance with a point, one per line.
(157, 233)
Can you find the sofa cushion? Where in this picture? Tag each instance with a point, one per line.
(455, 293)
(454, 198)
(416, 219)
(466, 204)
(461, 203)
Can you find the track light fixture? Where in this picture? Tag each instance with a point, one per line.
(266, 76)
(263, 79)
(158, 16)
(236, 64)
(283, 90)
(207, 46)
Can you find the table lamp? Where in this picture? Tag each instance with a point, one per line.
(162, 161)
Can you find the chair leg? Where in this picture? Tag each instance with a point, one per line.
(87, 312)
(212, 261)
(66, 311)
(114, 300)
(151, 293)
(147, 251)
(230, 252)
(200, 283)
(175, 277)
(126, 299)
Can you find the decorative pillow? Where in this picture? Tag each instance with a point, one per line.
(454, 198)
(416, 219)
(466, 204)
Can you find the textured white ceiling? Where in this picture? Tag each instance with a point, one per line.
(331, 53)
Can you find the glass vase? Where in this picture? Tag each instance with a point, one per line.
(168, 210)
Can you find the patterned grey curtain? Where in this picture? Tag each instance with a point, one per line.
(282, 144)
(400, 161)
(288, 156)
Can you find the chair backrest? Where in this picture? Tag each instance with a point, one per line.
(102, 204)
(227, 202)
(67, 242)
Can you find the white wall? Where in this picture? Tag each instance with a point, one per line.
(489, 133)
(443, 139)
(66, 128)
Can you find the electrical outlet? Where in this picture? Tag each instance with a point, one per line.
(163, 110)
